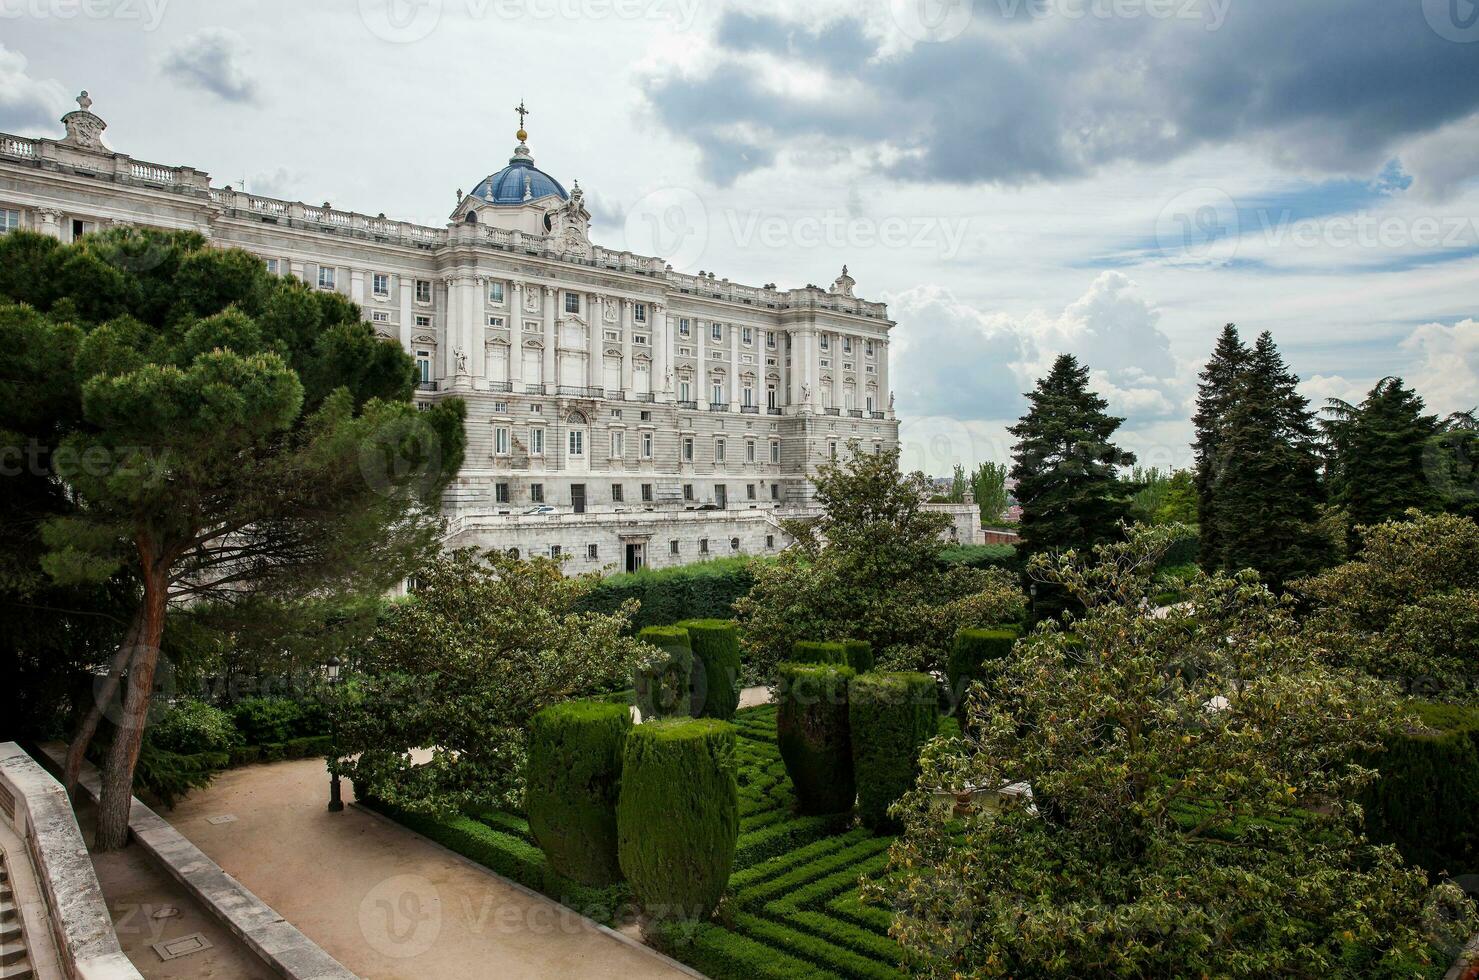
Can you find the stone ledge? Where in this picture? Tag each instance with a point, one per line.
(276, 941)
(80, 924)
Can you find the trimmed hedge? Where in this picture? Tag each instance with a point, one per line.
(891, 716)
(818, 652)
(573, 780)
(859, 655)
(983, 556)
(664, 689)
(678, 815)
(716, 650)
(813, 736)
(1427, 796)
(971, 651)
(703, 590)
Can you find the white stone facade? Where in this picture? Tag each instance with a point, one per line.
(643, 404)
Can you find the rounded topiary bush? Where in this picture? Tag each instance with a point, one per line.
(891, 716)
(678, 815)
(716, 654)
(971, 654)
(662, 688)
(818, 652)
(859, 655)
(813, 736)
(573, 779)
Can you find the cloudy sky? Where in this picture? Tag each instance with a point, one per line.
(1016, 178)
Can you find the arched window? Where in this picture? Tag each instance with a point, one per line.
(472, 218)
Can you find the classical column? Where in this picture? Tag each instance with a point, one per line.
(357, 285)
(734, 368)
(550, 295)
(885, 395)
(51, 223)
(475, 325)
(814, 367)
(835, 349)
(451, 341)
(408, 321)
(662, 354)
(595, 320)
(701, 379)
(627, 326)
(516, 336)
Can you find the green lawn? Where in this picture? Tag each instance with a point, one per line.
(792, 910)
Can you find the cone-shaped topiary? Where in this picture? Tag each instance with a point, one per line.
(817, 652)
(972, 650)
(859, 655)
(812, 735)
(678, 817)
(574, 778)
(891, 715)
(662, 689)
(716, 655)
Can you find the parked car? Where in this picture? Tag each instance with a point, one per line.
(542, 509)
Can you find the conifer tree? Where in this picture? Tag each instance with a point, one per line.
(1377, 455)
(1065, 465)
(1214, 398)
(1267, 492)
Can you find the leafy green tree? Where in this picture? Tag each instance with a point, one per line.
(1451, 463)
(958, 485)
(1266, 505)
(989, 484)
(460, 666)
(234, 434)
(1215, 396)
(1066, 467)
(1406, 607)
(1179, 502)
(1377, 455)
(869, 569)
(1191, 781)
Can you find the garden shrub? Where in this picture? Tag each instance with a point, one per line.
(702, 590)
(859, 655)
(818, 652)
(168, 776)
(891, 716)
(573, 778)
(677, 815)
(191, 725)
(1427, 796)
(813, 736)
(267, 720)
(663, 687)
(972, 651)
(982, 556)
(716, 653)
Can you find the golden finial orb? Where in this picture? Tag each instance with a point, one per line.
(522, 135)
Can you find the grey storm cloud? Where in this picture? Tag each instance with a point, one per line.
(212, 59)
(1338, 87)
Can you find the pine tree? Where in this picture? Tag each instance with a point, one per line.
(1065, 466)
(1214, 398)
(1377, 466)
(1267, 489)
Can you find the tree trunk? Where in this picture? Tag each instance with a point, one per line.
(123, 754)
(87, 727)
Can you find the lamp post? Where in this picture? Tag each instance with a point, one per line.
(331, 674)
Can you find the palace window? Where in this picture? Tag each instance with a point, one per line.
(770, 340)
(717, 391)
(501, 407)
(747, 336)
(703, 546)
(647, 445)
(495, 321)
(639, 338)
(688, 449)
(423, 290)
(847, 345)
(716, 330)
(688, 491)
(536, 441)
(748, 395)
(639, 312)
(868, 348)
(749, 491)
(555, 551)
(734, 544)
(832, 449)
(423, 321)
(683, 327)
(592, 552)
(572, 302)
(775, 491)
(536, 493)
(770, 542)
(380, 284)
(500, 440)
(10, 220)
(274, 267)
(495, 293)
(576, 442)
(826, 342)
(327, 277)
(719, 450)
(775, 452)
(770, 396)
(618, 444)
(423, 366)
(646, 493)
(500, 493)
(673, 546)
(379, 316)
(616, 493)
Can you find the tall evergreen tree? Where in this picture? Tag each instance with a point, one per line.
(1214, 398)
(1065, 466)
(1267, 491)
(1376, 449)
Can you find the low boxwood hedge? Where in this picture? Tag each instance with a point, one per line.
(573, 778)
(813, 736)
(818, 652)
(971, 651)
(891, 716)
(716, 654)
(677, 816)
(663, 689)
(859, 655)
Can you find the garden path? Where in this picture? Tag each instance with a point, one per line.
(751, 697)
(382, 900)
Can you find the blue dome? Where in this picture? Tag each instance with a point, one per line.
(508, 186)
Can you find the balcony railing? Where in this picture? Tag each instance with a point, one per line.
(688, 405)
(500, 386)
(426, 386)
(642, 396)
(718, 406)
(534, 389)
(856, 413)
(577, 391)
(876, 415)
(616, 394)
(831, 411)
(772, 410)
(750, 409)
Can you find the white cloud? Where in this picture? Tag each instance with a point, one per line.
(1447, 376)
(212, 59)
(28, 105)
(1443, 161)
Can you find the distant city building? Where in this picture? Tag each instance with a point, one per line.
(619, 412)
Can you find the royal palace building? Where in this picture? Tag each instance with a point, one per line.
(619, 412)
